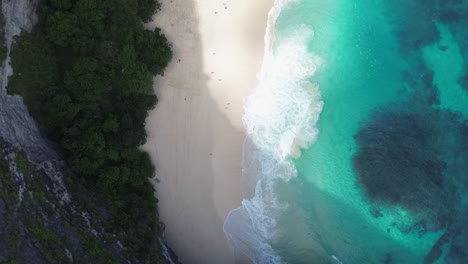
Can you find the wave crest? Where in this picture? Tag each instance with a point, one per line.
(280, 118)
(281, 114)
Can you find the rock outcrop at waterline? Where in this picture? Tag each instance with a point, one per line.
(42, 221)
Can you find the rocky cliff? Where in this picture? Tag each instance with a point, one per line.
(41, 220)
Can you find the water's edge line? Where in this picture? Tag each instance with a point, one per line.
(269, 39)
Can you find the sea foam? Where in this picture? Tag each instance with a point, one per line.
(280, 118)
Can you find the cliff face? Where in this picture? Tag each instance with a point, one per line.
(17, 126)
(40, 224)
(40, 220)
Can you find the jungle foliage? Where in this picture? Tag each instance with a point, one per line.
(86, 74)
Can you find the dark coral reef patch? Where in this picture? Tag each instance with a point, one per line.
(414, 159)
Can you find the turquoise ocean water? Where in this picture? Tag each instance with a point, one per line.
(357, 147)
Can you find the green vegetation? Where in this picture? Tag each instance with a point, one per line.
(95, 250)
(3, 48)
(48, 243)
(85, 73)
(3, 52)
(46, 234)
(8, 192)
(22, 162)
(12, 260)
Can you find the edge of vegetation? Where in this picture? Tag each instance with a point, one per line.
(86, 74)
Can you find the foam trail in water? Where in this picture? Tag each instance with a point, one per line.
(280, 118)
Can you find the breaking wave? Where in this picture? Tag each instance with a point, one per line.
(280, 118)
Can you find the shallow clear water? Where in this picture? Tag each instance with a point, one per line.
(382, 174)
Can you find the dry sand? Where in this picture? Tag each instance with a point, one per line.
(195, 133)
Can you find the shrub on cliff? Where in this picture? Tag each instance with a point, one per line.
(86, 75)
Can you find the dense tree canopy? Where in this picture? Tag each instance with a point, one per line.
(86, 74)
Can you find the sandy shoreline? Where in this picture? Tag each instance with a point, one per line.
(195, 133)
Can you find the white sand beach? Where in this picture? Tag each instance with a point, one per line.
(195, 133)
